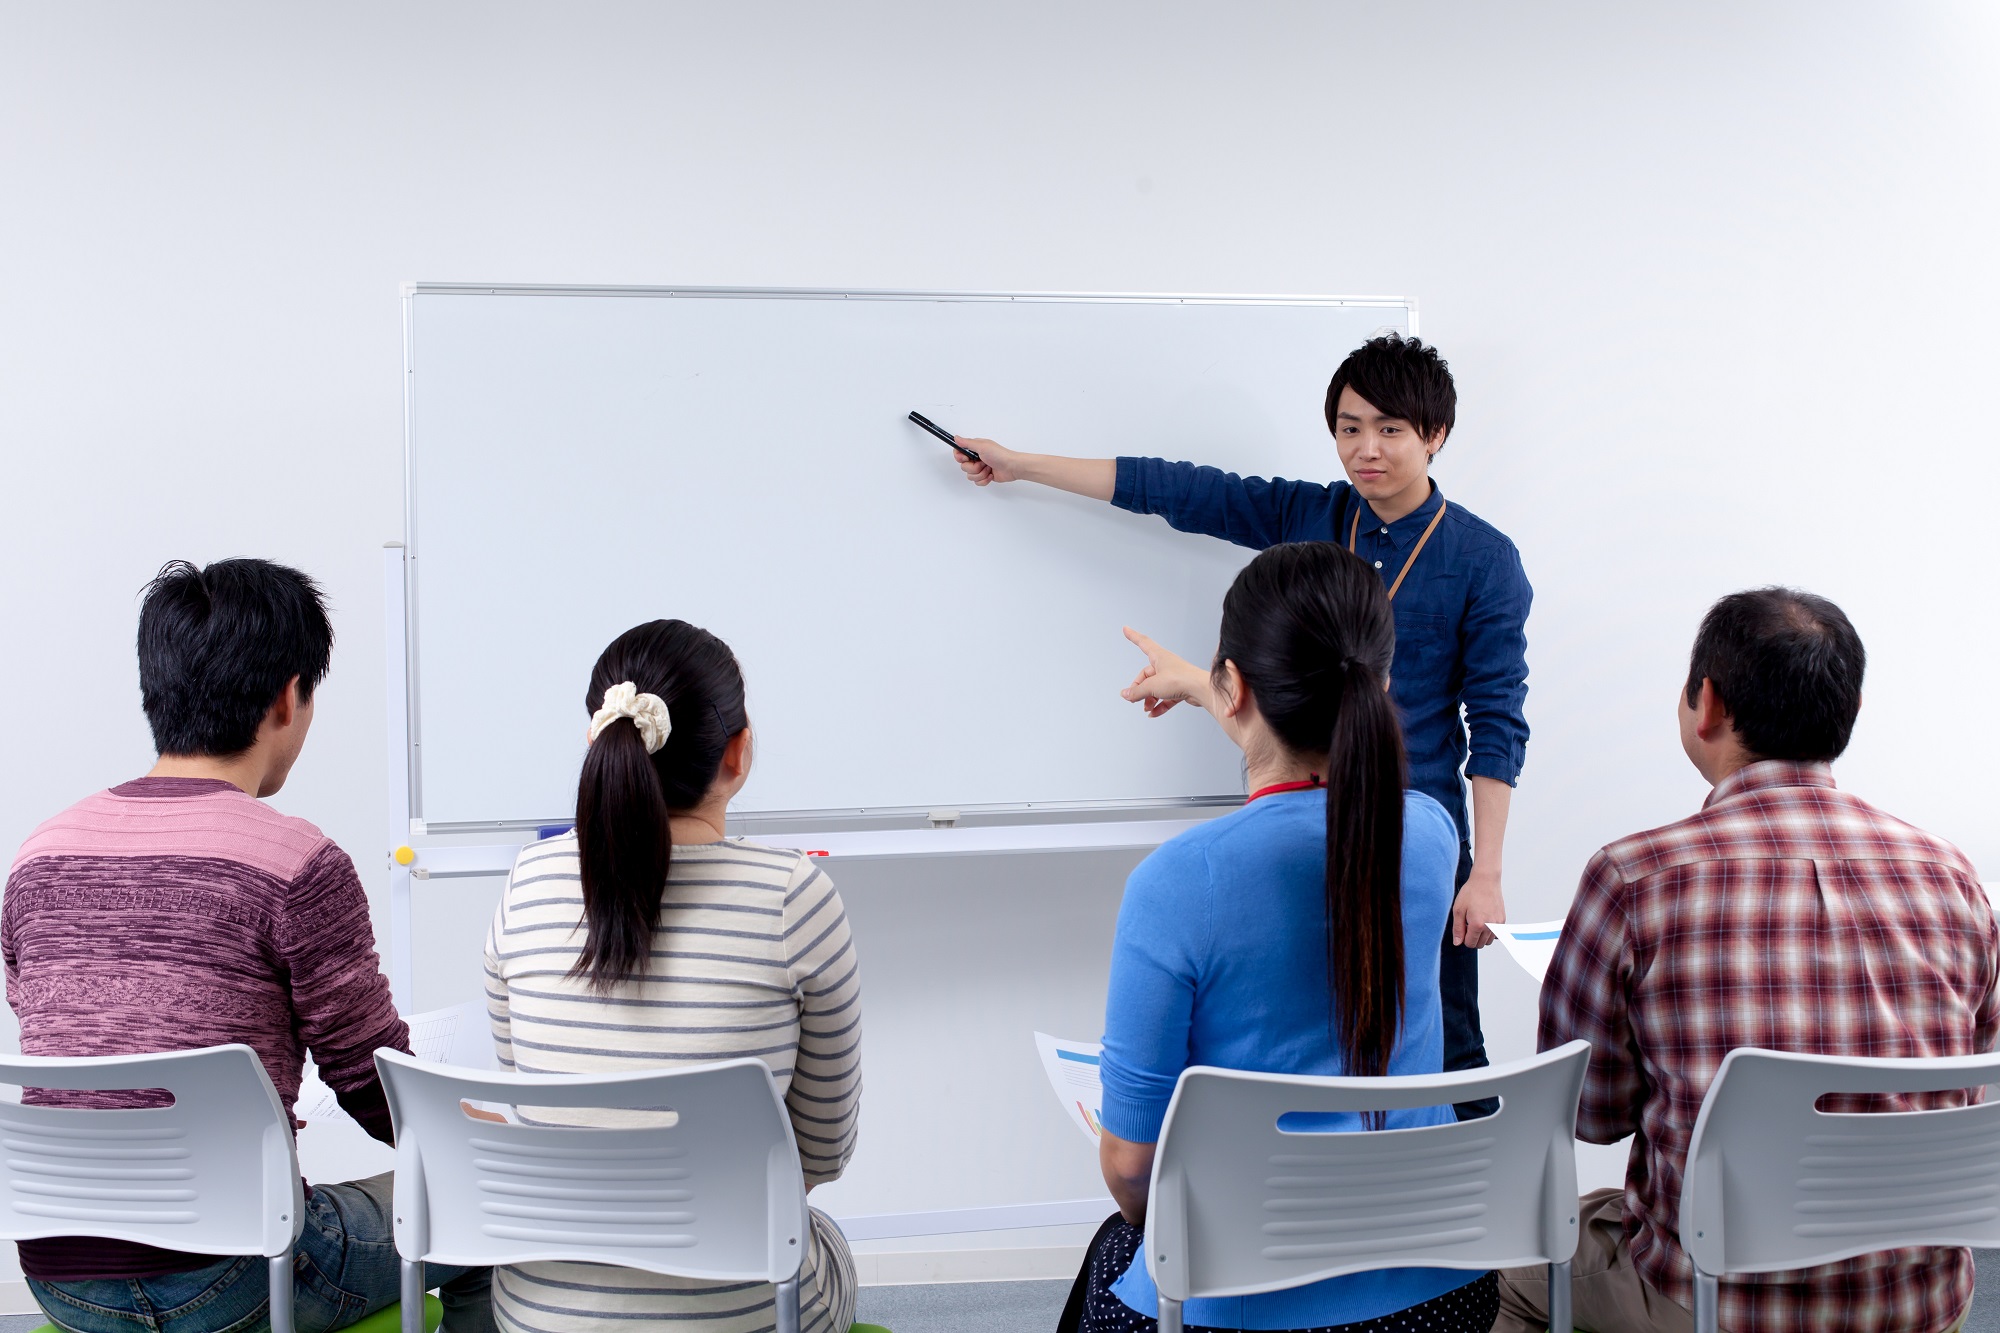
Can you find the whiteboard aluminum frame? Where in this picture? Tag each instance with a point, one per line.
(772, 821)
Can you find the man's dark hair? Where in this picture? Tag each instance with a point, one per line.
(217, 645)
(1787, 666)
(1400, 377)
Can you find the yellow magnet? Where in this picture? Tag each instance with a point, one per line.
(405, 855)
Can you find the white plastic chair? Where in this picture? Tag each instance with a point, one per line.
(717, 1195)
(215, 1173)
(1239, 1206)
(1773, 1184)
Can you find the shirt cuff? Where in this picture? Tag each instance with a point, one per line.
(1131, 1120)
(369, 1105)
(1125, 491)
(1495, 767)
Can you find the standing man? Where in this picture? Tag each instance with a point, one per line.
(1456, 586)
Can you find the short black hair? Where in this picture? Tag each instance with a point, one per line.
(217, 645)
(1788, 667)
(1402, 377)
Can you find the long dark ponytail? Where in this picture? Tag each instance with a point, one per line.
(624, 795)
(1308, 626)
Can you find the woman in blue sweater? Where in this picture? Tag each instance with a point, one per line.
(1297, 935)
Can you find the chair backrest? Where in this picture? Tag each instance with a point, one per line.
(1774, 1184)
(1240, 1206)
(215, 1173)
(718, 1194)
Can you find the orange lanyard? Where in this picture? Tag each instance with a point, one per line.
(1354, 530)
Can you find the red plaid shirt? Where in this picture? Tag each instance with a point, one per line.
(1794, 917)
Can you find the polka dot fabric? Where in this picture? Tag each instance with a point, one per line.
(1472, 1308)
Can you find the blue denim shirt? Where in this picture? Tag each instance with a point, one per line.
(1461, 615)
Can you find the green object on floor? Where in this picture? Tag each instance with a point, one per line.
(389, 1319)
(866, 1328)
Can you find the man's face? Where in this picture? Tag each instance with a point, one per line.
(1383, 456)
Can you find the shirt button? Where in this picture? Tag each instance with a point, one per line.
(1378, 564)
(1385, 529)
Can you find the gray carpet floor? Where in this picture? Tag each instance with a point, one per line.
(1032, 1307)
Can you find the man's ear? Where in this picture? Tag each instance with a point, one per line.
(1711, 714)
(1435, 443)
(285, 706)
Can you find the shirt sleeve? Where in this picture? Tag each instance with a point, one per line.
(1163, 930)
(1986, 1016)
(498, 1015)
(1249, 511)
(339, 996)
(824, 1101)
(1587, 995)
(8, 955)
(1496, 666)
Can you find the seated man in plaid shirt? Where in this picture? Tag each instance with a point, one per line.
(1787, 915)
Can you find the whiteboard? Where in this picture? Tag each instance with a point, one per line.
(585, 459)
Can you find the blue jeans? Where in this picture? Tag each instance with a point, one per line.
(344, 1265)
(1458, 996)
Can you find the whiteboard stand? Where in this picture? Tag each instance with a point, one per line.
(401, 970)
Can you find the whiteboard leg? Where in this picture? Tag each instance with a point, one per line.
(402, 972)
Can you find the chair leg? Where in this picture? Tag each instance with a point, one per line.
(281, 1293)
(1559, 1299)
(1170, 1315)
(1707, 1298)
(413, 1297)
(788, 1306)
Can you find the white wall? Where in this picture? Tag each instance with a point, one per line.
(1716, 280)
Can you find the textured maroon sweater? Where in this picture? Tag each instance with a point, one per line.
(174, 913)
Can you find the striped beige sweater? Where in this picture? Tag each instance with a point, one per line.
(751, 956)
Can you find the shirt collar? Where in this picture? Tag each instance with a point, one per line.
(150, 788)
(1409, 527)
(1766, 774)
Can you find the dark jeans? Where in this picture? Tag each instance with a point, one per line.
(1458, 993)
(344, 1265)
(1093, 1308)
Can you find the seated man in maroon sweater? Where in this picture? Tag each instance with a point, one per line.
(177, 911)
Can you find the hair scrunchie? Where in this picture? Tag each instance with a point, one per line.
(647, 711)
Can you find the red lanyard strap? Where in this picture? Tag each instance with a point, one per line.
(1277, 787)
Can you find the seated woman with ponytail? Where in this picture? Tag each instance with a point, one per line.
(1297, 935)
(644, 938)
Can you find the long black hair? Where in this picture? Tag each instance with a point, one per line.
(624, 796)
(1309, 628)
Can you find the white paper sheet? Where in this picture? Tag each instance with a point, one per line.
(454, 1036)
(1531, 943)
(1072, 1070)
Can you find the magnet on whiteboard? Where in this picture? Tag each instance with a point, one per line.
(404, 855)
